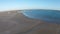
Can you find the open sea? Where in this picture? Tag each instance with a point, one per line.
(51, 16)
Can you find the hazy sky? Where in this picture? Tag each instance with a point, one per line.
(29, 4)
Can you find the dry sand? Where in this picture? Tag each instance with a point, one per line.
(17, 23)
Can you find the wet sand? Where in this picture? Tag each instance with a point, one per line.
(17, 23)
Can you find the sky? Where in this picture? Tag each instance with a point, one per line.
(29, 4)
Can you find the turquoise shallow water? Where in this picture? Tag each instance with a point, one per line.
(46, 15)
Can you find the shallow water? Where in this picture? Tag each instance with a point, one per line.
(46, 15)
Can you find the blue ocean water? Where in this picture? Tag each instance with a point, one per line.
(46, 15)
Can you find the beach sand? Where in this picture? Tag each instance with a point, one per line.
(17, 23)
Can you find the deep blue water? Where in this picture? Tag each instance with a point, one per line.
(52, 16)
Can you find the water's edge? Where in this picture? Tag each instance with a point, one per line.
(50, 16)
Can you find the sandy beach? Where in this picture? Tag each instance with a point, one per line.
(17, 23)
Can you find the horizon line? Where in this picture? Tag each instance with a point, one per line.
(28, 9)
